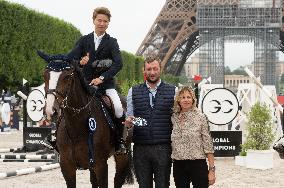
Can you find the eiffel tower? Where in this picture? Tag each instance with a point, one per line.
(174, 35)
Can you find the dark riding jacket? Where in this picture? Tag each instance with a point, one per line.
(108, 49)
(159, 125)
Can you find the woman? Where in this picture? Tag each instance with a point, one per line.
(191, 143)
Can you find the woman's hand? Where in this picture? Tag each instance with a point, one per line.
(211, 177)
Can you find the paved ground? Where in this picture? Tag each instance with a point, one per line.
(228, 175)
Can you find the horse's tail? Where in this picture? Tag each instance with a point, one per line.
(129, 179)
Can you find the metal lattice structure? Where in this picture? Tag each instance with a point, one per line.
(259, 21)
(175, 35)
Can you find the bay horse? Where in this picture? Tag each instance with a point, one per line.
(67, 92)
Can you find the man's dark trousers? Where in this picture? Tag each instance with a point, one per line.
(152, 159)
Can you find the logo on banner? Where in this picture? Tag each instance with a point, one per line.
(92, 124)
(220, 105)
(35, 105)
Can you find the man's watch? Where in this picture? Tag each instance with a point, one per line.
(102, 78)
(212, 168)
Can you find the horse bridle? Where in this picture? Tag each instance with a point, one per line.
(64, 103)
(51, 91)
(55, 92)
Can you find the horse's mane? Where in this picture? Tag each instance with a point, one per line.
(89, 89)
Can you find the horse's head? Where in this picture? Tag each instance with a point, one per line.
(57, 78)
(279, 147)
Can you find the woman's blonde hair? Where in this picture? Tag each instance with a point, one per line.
(177, 107)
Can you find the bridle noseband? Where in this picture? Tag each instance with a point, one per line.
(64, 103)
(51, 91)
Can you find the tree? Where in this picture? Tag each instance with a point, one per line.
(239, 71)
(227, 70)
(260, 128)
(23, 32)
(282, 79)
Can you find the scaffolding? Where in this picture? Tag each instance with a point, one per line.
(257, 21)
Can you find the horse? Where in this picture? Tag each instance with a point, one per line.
(67, 92)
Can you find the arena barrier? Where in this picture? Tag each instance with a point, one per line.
(29, 170)
(25, 156)
(6, 150)
(27, 160)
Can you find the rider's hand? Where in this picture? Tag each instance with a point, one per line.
(85, 59)
(96, 82)
(128, 122)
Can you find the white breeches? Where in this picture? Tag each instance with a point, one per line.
(112, 93)
(5, 113)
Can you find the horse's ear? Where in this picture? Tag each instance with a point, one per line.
(43, 55)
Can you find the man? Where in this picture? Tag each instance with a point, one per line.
(153, 101)
(98, 45)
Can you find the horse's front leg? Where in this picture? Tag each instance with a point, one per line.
(67, 163)
(69, 173)
(101, 174)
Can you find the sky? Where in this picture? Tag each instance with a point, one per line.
(131, 20)
(238, 54)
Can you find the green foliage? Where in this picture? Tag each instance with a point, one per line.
(282, 79)
(228, 70)
(126, 85)
(260, 128)
(131, 73)
(169, 78)
(239, 71)
(24, 31)
(243, 151)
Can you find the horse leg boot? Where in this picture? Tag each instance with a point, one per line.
(120, 147)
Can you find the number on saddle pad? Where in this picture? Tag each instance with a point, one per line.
(140, 122)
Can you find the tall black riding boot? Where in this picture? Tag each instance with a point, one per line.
(120, 147)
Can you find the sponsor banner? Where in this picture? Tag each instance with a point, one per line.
(33, 136)
(226, 143)
(220, 105)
